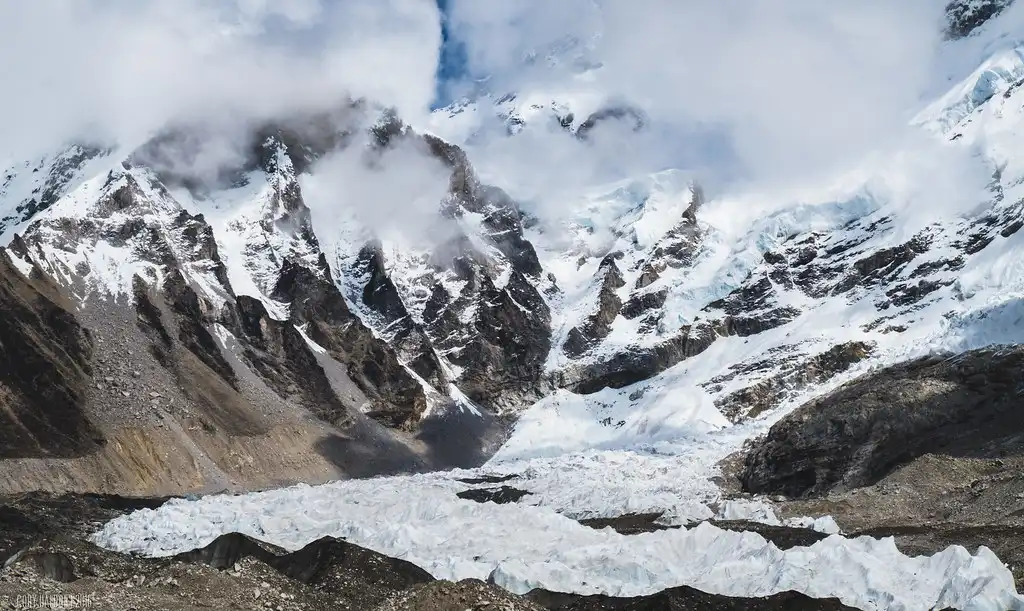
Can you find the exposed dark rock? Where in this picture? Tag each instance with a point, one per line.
(503, 222)
(629, 524)
(965, 16)
(883, 265)
(193, 315)
(372, 364)
(752, 309)
(650, 274)
(45, 370)
(682, 599)
(501, 495)
(638, 305)
(679, 248)
(792, 377)
(175, 322)
(408, 339)
(463, 182)
(632, 116)
(380, 293)
(344, 571)
(30, 517)
(504, 356)
(285, 361)
(752, 324)
(636, 364)
(503, 348)
(598, 324)
(232, 572)
(783, 537)
(964, 406)
(489, 479)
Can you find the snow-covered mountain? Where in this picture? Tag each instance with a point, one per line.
(265, 318)
(490, 308)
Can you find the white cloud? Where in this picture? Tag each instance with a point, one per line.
(125, 67)
(395, 193)
(747, 94)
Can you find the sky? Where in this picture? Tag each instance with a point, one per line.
(741, 92)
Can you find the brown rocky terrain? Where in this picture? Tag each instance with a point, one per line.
(929, 452)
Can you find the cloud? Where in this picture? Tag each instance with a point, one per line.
(746, 94)
(393, 193)
(122, 68)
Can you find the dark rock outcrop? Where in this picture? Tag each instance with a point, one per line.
(636, 363)
(963, 406)
(501, 495)
(639, 305)
(626, 114)
(337, 568)
(792, 377)
(629, 524)
(382, 297)
(752, 309)
(499, 336)
(965, 16)
(683, 599)
(45, 370)
(398, 398)
(599, 324)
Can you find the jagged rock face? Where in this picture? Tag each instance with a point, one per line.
(965, 16)
(44, 370)
(629, 286)
(475, 305)
(637, 364)
(403, 333)
(236, 339)
(750, 309)
(794, 375)
(898, 280)
(512, 342)
(38, 184)
(962, 406)
(598, 325)
(398, 399)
